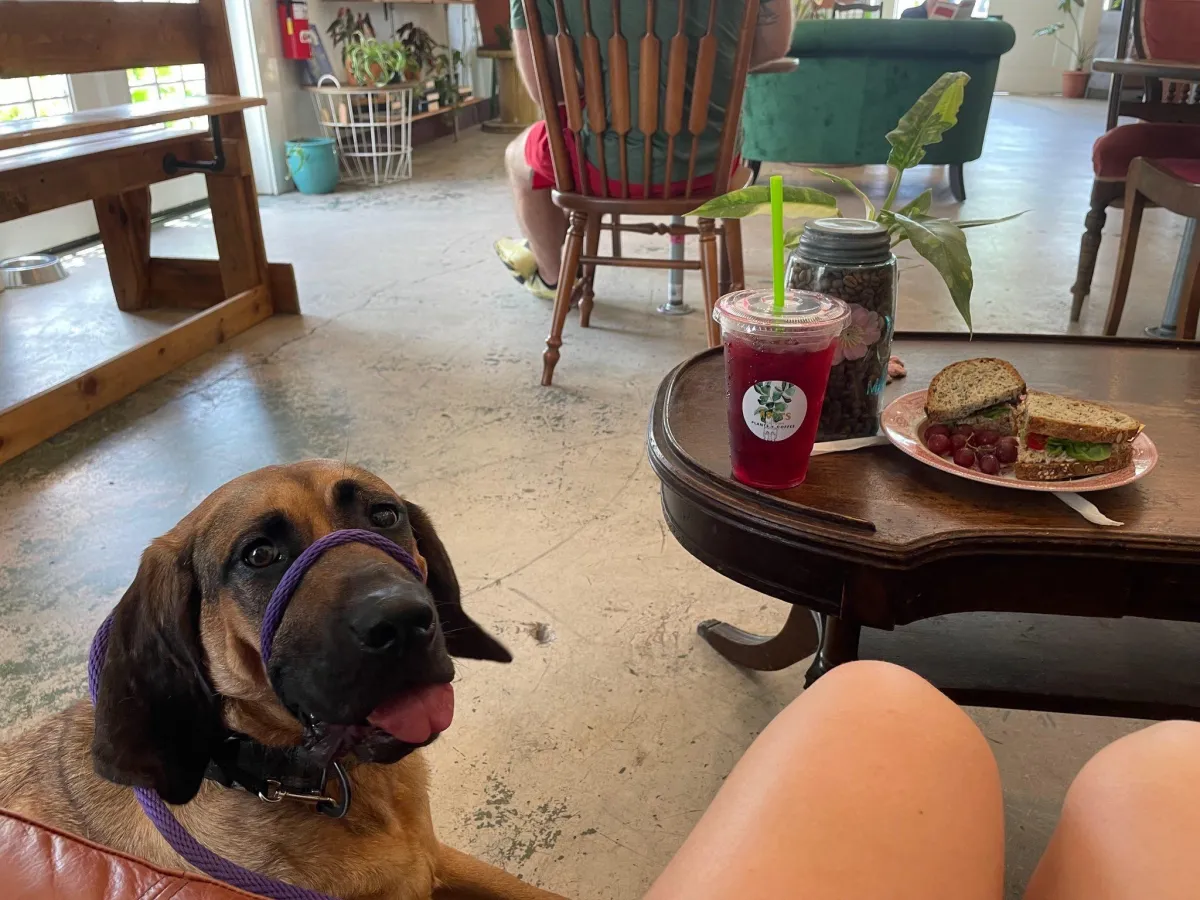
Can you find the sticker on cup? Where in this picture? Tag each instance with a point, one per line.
(773, 410)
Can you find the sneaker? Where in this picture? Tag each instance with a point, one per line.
(519, 260)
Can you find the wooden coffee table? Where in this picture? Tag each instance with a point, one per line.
(1000, 597)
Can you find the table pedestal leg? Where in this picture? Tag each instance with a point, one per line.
(839, 644)
(796, 640)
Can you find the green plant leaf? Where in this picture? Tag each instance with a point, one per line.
(798, 203)
(975, 223)
(791, 238)
(934, 112)
(868, 206)
(945, 246)
(919, 205)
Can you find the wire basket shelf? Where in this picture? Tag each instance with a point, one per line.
(372, 127)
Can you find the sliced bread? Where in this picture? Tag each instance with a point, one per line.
(1037, 465)
(965, 387)
(1078, 420)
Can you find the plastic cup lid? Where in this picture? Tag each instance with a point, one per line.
(804, 315)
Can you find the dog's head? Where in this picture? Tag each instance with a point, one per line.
(362, 639)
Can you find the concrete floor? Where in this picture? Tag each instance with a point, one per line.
(582, 765)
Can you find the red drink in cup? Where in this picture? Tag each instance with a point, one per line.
(776, 369)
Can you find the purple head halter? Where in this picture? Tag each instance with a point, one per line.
(156, 810)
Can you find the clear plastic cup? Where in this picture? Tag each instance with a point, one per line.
(776, 369)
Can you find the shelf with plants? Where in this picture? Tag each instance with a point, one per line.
(386, 83)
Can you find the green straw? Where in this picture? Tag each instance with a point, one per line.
(777, 238)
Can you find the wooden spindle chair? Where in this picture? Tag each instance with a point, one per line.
(681, 113)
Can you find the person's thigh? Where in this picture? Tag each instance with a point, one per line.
(1130, 826)
(871, 786)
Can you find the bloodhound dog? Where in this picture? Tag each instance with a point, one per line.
(361, 664)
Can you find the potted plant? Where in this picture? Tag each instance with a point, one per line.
(1074, 81)
(941, 241)
(445, 74)
(420, 50)
(373, 63)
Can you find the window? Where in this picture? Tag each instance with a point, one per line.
(33, 97)
(147, 83)
(165, 82)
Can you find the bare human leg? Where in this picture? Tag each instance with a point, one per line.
(871, 784)
(1130, 824)
(543, 223)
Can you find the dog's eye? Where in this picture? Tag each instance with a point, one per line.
(384, 516)
(260, 554)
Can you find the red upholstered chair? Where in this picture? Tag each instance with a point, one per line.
(1162, 36)
(1173, 184)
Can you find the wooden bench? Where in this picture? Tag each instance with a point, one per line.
(110, 157)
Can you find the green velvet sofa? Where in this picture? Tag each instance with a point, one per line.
(855, 80)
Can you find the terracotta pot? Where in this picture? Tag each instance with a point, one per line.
(376, 76)
(492, 13)
(1074, 84)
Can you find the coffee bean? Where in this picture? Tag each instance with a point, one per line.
(849, 409)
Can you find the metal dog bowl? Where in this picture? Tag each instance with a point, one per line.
(32, 270)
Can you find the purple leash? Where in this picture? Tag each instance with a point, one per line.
(156, 810)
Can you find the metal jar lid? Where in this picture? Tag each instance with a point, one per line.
(845, 242)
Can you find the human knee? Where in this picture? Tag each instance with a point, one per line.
(871, 693)
(514, 157)
(1139, 771)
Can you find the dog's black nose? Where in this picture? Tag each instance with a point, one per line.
(393, 618)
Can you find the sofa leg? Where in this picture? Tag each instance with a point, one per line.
(957, 187)
(753, 165)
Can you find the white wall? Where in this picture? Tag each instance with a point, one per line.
(1035, 64)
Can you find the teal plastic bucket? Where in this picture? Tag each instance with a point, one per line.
(313, 165)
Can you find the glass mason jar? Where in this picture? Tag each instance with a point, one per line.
(851, 259)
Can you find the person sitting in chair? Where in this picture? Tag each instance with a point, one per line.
(534, 261)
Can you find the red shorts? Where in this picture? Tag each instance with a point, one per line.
(539, 158)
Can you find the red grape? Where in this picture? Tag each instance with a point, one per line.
(965, 457)
(988, 464)
(939, 444)
(935, 430)
(965, 430)
(958, 441)
(986, 438)
(1006, 451)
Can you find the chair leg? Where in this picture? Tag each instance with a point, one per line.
(568, 272)
(733, 240)
(1189, 291)
(709, 276)
(1103, 193)
(591, 247)
(616, 235)
(1135, 204)
(957, 186)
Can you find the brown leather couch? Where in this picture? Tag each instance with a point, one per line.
(41, 863)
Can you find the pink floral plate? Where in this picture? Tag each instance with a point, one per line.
(904, 424)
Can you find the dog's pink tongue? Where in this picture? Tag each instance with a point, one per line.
(416, 715)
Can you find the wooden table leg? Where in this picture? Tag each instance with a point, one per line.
(839, 644)
(796, 640)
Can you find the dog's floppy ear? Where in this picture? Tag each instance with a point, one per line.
(157, 718)
(464, 636)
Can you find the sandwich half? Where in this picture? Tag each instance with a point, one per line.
(980, 393)
(1066, 438)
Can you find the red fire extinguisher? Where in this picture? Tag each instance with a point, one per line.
(293, 23)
